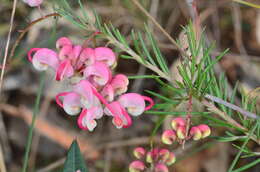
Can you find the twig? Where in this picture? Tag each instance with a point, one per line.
(232, 106)
(211, 107)
(2, 160)
(7, 44)
(25, 30)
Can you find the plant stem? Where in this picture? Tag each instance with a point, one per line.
(7, 44)
(35, 112)
(188, 116)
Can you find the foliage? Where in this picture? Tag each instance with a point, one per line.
(74, 161)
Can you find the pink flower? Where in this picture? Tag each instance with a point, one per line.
(85, 90)
(87, 118)
(94, 88)
(71, 102)
(120, 116)
(86, 57)
(63, 41)
(33, 3)
(119, 84)
(108, 93)
(98, 73)
(65, 69)
(76, 51)
(43, 58)
(135, 103)
(105, 55)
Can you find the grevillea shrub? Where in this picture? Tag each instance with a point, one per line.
(95, 91)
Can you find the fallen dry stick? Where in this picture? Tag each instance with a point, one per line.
(54, 133)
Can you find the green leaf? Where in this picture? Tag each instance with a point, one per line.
(74, 160)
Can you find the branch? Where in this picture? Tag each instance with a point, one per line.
(232, 106)
(7, 44)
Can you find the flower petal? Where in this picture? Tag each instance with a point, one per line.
(76, 50)
(105, 55)
(63, 41)
(65, 69)
(43, 58)
(84, 89)
(119, 119)
(99, 72)
(133, 102)
(87, 118)
(112, 111)
(71, 102)
(108, 93)
(119, 83)
(66, 52)
(87, 56)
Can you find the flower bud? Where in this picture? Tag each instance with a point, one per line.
(136, 166)
(161, 168)
(195, 133)
(149, 157)
(171, 159)
(168, 137)
(164, 155)
(205, 130)
(181, 130)
(139, 152)
(152, 155)
(177, 122)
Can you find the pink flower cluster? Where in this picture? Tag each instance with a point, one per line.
(179, 132)
(156, 159)
(95, 91)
